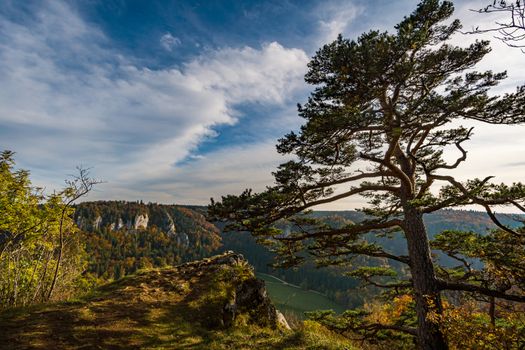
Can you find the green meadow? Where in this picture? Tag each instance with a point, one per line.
(290, 298)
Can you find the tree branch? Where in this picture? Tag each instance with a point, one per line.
(379, 326)
(352, 230)
(348, 194)
(395, 170)
(345, 180)
(446, 285)
(460, 159)
(378, 253)
(391, 285)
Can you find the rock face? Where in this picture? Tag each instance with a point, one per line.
(248, 294)
(120, 224)
(251, 297)
(141, 221)
(172, 230)
(182, 239)
(282, 320)
(97, 222)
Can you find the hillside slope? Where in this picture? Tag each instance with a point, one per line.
(216, 303)
(122, 237)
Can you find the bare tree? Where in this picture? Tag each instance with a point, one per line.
(77, 187)
(511, 31)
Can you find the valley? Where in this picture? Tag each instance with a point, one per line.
(172, 234)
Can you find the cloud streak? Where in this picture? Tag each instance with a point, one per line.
(336, 18)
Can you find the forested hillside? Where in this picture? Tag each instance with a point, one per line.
(446, 219)
(330, 280)
(122, 237)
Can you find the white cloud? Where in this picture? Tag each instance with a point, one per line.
(69, 99)
(335, 18)
(252, 75)
(168, 41)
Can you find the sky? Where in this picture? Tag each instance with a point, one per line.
(180, 101)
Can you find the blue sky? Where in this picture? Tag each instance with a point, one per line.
(178, 101)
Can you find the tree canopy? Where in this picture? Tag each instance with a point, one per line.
(39, 249)
(385, 112)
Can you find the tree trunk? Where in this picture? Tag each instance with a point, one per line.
(426, 288)
(60, 251)
(492, 311)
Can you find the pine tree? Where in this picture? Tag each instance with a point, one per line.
(384, 110)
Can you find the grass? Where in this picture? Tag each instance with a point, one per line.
(290, 298)
(170, 308)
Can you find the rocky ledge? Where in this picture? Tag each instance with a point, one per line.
(246, 295)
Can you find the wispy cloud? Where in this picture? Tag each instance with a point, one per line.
(168, 41)
(225, 170)
(336, 17)
(516, 164)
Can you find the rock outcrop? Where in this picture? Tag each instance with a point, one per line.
(141, 221)
(97, 223)
(176, 307)
(247, 294)
(252, 298)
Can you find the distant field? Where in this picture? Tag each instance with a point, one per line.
(287, 297)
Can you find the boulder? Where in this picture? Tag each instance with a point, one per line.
(252, 297)
(281, 320)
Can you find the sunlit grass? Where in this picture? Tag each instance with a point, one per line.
(154, 309)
